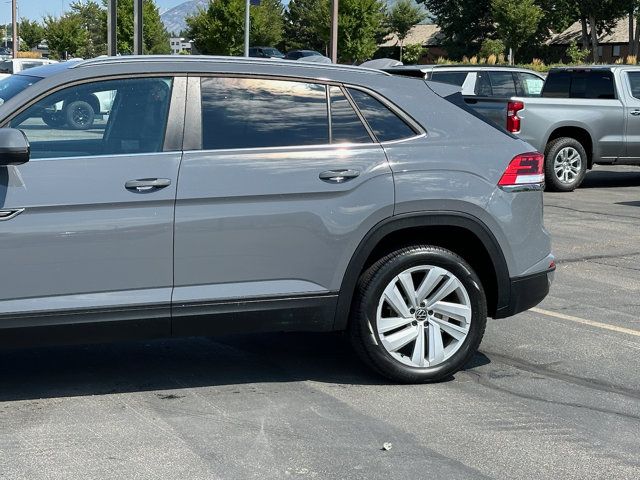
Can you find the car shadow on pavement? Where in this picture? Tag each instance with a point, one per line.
(49, 372)
(611, 179)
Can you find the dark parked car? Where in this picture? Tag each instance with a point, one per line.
(265, 52)
(298, 54)
(309, 197)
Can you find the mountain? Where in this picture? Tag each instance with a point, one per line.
(174, 18)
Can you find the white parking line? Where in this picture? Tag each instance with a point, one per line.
(584, 321)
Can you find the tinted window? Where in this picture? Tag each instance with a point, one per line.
(634, 83)
(6, 66)
(454, 78)
(531, 85)
(252, 113)
(346, 126)
(502, 84)
(595, 84)
(557, 85)
(483, 85)
(385, 124)
(110, 117)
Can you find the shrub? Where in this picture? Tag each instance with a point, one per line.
(576, 54)
(413, 53)
(492, 47)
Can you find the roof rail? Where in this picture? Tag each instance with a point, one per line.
(104, 60)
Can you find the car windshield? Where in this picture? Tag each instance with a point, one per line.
(274, 52)
(13, 85)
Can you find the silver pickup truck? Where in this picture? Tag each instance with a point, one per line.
(585, 116)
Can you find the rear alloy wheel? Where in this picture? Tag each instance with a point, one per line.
(565, 165)
(420, 316)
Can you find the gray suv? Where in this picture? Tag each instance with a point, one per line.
(227, 195)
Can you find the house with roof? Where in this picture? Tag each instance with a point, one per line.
(427, 35)
(613, 45)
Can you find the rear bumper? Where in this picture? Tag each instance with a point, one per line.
(526, 292)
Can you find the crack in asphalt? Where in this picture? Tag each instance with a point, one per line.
(588, 258)
(590, 383)
(603, 214)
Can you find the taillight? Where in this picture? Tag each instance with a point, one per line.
(524, 169)
(513, 120)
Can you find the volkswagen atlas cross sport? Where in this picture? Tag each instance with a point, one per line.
(218, 195)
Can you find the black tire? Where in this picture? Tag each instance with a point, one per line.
(53, 119)
(79, 115)
(554, 148)
(371, 285)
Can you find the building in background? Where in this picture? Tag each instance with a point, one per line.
(180, 45)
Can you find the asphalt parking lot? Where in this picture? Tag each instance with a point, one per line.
(554, 393)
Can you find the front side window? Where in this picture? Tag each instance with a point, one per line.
(125, 116)
(256, 113)
(634, 83)
(531, 85)
(384, 123)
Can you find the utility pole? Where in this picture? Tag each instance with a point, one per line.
(112, 44)
(137, 28)
(334, 31)
(247, 26)
(14, 25)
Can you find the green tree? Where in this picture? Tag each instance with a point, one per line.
(65, 35)
(307, 25)
(464, 23)
(403, 16)
(94, 20)
(576, 54)
(219, 29)
(31, 33)
(492, 47)
(359, 25)
(517, 21)
(156, 37)
(267, 23)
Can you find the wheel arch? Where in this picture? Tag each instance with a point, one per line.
(477, 246)
(580, 134)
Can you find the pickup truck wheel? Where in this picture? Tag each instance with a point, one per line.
(79, 115)
(419, 314)
(565, 164)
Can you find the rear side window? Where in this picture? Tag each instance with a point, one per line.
(454, 78)
(386, 125)
(346, 126)
(254, 113)
(595, 84)
(483, 85)
(502, 84)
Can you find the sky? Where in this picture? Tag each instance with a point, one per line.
(36, 9)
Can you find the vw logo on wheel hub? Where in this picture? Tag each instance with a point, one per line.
(421, 314)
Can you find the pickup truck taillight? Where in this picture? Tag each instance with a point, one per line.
(513, 120)
(524, 169)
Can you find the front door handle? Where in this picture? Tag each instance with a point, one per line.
(635, 113)
(147, 184)
(338, 176)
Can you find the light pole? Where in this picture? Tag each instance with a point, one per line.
(137, 28)
(14, 26)
(112, 46)
(334, 31)
(247, 26)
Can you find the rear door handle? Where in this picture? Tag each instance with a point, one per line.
(147, 184)
(9, 214)
(635, 113)
(338, 176)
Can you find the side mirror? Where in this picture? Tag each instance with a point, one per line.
(14, 147)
